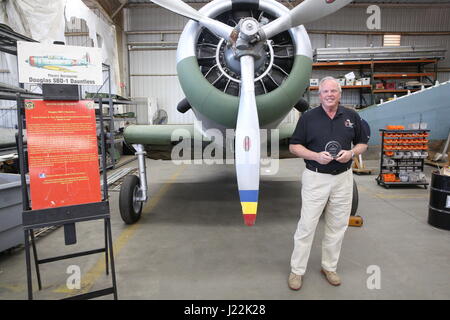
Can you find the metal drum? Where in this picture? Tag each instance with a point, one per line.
(439, 207)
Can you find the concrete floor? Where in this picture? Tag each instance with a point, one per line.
(191, 243)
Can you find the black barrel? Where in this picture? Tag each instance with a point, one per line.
(439, 207)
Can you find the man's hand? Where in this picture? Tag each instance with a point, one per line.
(323, 157)
(344, 156)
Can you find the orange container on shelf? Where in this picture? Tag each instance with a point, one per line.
(393, 127)
(388, 177)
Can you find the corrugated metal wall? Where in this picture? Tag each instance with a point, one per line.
(158, 66)
(153, 74)
(400, 19)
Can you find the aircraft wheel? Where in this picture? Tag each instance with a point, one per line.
(355, 199)
(130, 208)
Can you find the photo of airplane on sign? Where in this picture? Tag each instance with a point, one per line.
(41, 63)
(57, 63)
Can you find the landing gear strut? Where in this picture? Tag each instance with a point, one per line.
(133, 191)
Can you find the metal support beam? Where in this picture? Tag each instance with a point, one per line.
(118, 9)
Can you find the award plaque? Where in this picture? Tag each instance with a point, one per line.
(333, 148)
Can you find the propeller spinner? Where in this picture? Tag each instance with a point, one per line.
(247, 40)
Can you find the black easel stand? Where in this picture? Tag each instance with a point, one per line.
(66, 216)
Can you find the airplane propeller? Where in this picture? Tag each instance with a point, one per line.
(185, 10)
(247, 39)
(307, 11)
(247, 143)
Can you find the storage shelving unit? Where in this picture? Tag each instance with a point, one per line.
(402, 158)
(383, 70)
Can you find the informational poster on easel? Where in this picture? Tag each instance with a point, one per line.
(63, 157)
(62, 153)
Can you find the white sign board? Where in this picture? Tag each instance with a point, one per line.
(58, 64)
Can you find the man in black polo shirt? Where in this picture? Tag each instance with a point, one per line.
(323, 138)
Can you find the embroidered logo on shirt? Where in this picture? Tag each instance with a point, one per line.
(348, 123)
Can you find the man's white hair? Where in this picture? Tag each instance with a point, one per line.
(330, 79)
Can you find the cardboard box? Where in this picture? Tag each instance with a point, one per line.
(358, 83)
(313, 82)
(379, 85)
(341, 81)
(350, 82)
(365, 81)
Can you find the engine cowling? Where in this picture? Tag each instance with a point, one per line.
(209, 73)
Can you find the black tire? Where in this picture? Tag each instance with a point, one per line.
(130, 210)
(355, 199)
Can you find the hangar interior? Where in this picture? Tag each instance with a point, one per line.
(188, 240)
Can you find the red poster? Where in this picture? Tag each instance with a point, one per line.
(62, 153)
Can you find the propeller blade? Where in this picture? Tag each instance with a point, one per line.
(247, 143)
(185, 10)
(307, 11)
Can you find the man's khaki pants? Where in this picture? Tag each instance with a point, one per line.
(334, 194)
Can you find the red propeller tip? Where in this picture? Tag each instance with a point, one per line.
(249, 219)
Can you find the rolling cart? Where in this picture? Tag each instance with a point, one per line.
(402, 158)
